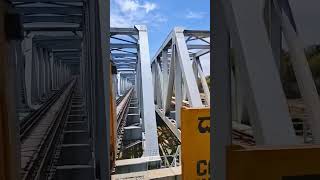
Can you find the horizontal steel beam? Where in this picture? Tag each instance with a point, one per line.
(126, 66)
(125, 69)
(67, 57)
(125, 63)
(48, 1)
(70, 58)
(197, 33)
(53, 29)
(123, 31)
(56, 38)
(74, 43)
(197, 46)
(128, 72)
(50, 10)
(121, 55)
(77, 54)
(67, 51)
(60, 46)
(65, 19)
(121, 46)
(125, 59)
(71, 62)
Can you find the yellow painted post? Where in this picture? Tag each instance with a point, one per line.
(195, 143)
(112, 123)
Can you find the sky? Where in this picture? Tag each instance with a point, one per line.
(160, 17)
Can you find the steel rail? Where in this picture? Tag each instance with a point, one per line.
(55, 134)
(118, 101)
(28, 123)
(121, 119)
(36, 165)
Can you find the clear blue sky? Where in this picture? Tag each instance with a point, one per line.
(160, 16)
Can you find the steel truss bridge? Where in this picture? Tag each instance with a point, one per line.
(83, 100)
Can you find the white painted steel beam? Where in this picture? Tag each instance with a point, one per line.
(251, 42)
(303, 73)
(150, 126)
(186, 67)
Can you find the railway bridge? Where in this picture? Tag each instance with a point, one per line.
(83, 100)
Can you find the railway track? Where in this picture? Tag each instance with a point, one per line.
(122, 112)
(118, 101)
(72, 157)
(40, 131)
(243, 138)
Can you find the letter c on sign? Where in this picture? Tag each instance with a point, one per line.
(199, 172)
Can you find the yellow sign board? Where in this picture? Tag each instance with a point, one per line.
(195, 143)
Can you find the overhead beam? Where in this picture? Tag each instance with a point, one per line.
(126, 69)
(50, 10)
(202, 33)
(67, 51)
(66, 19)
(67, 54)
(121, 55)
(125, 66)
(70, 62)
(61, 45)
(47, 1)
(123, 31)
(125, 63)
(128, 72)
(121, 46)
(72, 29)
(59, 42)
(54, 38)
(197, 46)
(70, 58)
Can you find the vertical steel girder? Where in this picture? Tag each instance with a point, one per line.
(151, 147)
(165, 75)
(221, 127)
(95, 68)
(28, 52)
(178, 88)
(16, 53)
(124, 57)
